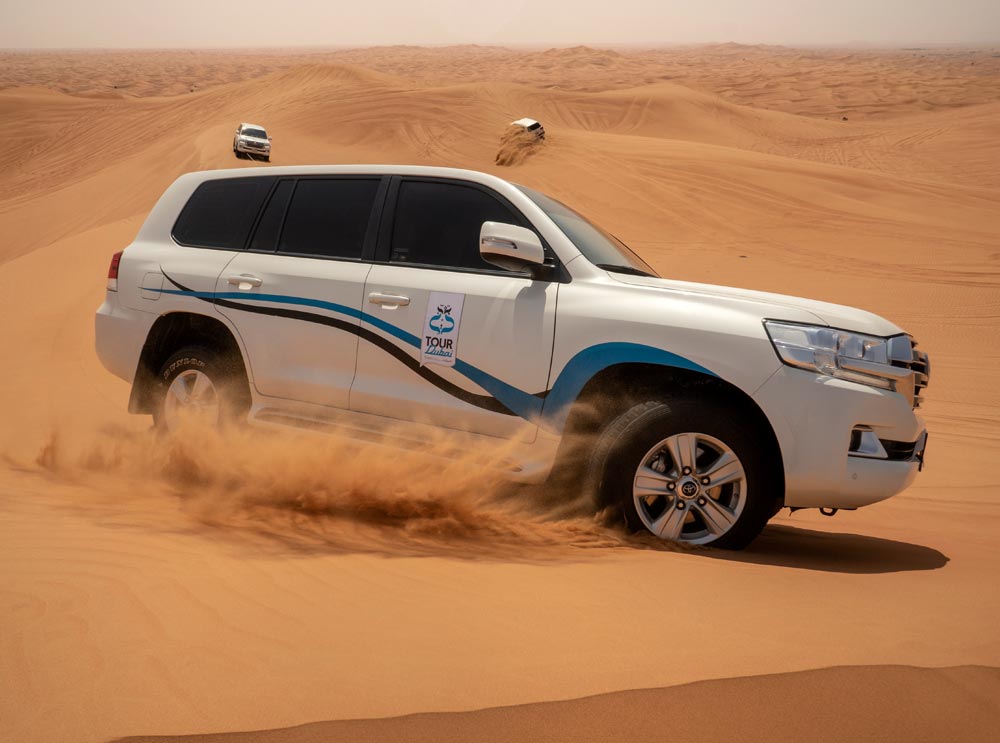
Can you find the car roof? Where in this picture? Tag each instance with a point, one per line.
(182, 188)
(524, 122)
(360, 169)
(245, 125)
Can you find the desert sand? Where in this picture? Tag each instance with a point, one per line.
(297, 586)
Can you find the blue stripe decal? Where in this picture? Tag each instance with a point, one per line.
(550, 412)
(581, 369)
(517, 401)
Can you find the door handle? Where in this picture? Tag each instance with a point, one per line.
(388, 300)
(244, 281)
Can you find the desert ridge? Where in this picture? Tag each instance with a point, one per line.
(856, 705)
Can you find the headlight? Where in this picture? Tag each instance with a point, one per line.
(837, 353)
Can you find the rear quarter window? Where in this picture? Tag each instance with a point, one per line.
(221, 213)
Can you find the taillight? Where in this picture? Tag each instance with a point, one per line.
(116, 259)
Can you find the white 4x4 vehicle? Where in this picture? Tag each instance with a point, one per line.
(252, 139)
(416, 300)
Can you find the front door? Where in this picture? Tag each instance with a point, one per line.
(453, 341)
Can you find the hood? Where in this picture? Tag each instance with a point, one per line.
(777, 306)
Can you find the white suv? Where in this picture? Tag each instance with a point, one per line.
(410, 299)
(252, 139)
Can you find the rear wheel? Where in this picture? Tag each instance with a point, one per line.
(201, 387)
(688, 471)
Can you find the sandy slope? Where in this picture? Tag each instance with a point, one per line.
(145, 589)
(856, 705)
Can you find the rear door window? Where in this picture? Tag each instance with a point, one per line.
(438, 224)
(221, 213)
(329, 217)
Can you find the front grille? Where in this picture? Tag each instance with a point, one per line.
(899, 450)
(921, 366)
(914, 360)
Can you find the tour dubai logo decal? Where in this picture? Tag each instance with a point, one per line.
(439, 342)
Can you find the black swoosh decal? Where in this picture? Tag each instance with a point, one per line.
(486, 402)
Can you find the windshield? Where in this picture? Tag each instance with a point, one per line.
(257, 133)
(601, 248)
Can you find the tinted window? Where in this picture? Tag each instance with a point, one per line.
(266, 236)
(438, 224)
(220, 213)
(328, 217)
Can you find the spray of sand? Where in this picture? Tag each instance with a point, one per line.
(307, 492)
(516, 145)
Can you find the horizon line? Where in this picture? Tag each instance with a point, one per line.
(634, 46)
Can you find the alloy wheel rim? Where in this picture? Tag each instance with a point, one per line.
(690, 488)
(191, 396)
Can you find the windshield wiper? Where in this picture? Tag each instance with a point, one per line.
(626, 269)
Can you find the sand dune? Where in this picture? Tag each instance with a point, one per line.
(147, 590)
(947, 704)
(824, 83)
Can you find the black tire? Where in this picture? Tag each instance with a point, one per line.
(267, 158)
(623, 443)
(226, 374)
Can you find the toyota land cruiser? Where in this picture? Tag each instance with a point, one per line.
(418, 298)
(252, 139)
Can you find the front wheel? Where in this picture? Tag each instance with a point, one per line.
(201, 387)
(689, 471)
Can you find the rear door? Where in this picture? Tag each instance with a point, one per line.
(295, 295)
(455, 342)
(210, 231)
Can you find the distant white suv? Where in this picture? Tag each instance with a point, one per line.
(403, 300)
(530, 125)
(252, 139)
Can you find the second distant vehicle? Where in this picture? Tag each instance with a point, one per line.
(532, 126)
(252, 139)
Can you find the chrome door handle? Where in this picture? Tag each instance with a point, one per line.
(245, 281)
(389, 300)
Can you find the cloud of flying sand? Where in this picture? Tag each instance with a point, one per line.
(303, 493)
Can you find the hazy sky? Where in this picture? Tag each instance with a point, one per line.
(213, 23)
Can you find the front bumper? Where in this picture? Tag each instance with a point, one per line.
(813, 417)
(252, 148)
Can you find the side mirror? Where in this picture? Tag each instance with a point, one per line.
(270, 138)
(509, 246)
